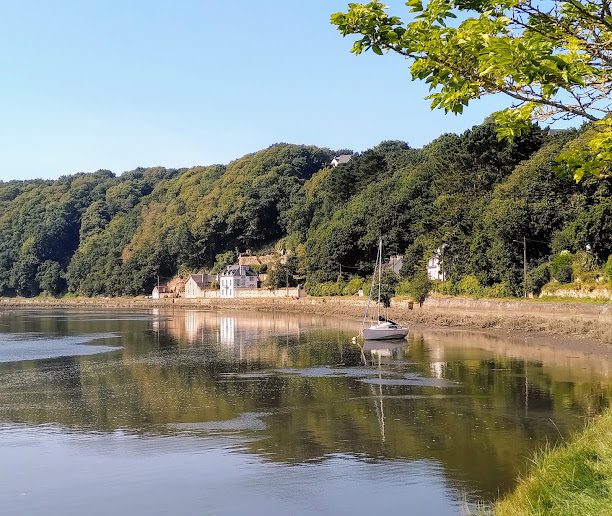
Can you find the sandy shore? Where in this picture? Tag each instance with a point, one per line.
(578, 326)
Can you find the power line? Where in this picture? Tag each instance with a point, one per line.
(531, 240)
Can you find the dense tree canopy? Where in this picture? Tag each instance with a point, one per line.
(97, 234)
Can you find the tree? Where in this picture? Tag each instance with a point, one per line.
(50, 277)
(419, 287)
(281, 275)
(388, 283)
(553, 59)
(223, 260)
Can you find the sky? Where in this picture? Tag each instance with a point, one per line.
(103, 84)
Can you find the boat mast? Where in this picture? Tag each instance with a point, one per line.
(370, 295)
(379, 263)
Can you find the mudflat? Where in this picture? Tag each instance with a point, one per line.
(568, 326)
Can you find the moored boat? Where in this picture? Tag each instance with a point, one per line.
(380, 328)
(385, 330)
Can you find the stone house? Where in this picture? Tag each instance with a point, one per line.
(197, 285)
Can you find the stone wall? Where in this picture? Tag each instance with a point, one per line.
(248, 293)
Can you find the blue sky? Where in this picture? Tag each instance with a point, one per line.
(93, 84)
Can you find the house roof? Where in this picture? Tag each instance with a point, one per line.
(238, 270)
(202, 280)
(394, 263)
(342, 158)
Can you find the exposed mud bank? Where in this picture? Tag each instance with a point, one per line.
(560, 324)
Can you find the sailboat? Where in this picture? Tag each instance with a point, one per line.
(381, 327)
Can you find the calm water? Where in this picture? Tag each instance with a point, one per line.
(189, 412)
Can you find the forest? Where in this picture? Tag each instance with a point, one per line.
(479, 197)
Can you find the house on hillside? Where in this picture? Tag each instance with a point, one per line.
(394, 264)
(197, 285)
(435, 265)
(340, 160)
(236, 277)
(161, 292)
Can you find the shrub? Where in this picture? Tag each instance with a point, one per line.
(403, 288)
(331, 288)
(446, 288)
(561, 267)
(419, 287)
(607, 269)
(537, 278)
(498, 290)
(584, 266)
(353, 286)
(469, 286)
(312, 288)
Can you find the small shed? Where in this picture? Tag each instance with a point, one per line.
(161, 292)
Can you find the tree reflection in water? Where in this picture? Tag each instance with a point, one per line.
(296, 390)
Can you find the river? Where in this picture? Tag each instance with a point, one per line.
(195, 412)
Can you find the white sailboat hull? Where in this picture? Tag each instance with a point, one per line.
(380, 332)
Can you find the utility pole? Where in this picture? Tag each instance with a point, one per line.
(525, 266)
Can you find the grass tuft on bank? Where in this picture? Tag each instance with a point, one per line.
(573, 479)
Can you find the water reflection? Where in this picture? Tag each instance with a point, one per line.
(294, 390)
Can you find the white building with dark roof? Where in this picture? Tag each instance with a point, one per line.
(236, 277)
(340, 160)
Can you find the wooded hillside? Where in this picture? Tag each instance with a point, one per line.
(100, 234)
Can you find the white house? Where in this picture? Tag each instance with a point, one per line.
(435, 266)
(339, 160)
(197, 285)
(236, 277)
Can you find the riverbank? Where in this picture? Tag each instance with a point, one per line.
(582, 326)
(573, 479)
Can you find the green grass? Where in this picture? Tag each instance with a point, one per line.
(546, 299)
(570, 300)
(574, 479)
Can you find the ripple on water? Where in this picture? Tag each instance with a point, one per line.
(245, 422)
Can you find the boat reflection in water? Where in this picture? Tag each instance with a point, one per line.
(382, 352)
(384, 348)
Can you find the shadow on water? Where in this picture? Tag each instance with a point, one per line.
(294, 390)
